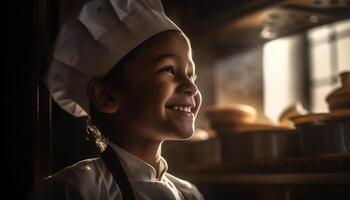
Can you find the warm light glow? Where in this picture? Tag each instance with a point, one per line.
(282, 64)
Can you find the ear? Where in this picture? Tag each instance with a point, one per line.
(102, 96)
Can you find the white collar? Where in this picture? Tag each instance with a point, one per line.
(136, 169)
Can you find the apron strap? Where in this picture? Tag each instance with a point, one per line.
(111, 159)
(183, 195)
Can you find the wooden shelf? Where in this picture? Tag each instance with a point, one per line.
(322, 170)
(272, 179)
(278, 20)
(236, 25)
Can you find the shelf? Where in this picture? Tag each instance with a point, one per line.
(272, 179)
(280, 19)
(322, 170)
(236, 25)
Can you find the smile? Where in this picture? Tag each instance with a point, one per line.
(182, 109)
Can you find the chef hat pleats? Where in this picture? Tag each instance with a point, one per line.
(67, 96)
(124, 8)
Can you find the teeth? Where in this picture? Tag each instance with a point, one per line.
(181, 108)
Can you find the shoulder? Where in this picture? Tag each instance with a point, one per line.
(83, 179)
(188, 189)
(53, 189)
(86, 175)
(84, 169)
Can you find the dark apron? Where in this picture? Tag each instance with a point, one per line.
(111, 159)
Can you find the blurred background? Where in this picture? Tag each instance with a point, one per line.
(274, 75)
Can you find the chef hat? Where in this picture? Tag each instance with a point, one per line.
(91, 44)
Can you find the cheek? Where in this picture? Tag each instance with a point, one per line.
(160, 93)
(150, 96)
(133, 100)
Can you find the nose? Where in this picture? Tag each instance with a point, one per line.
(188, 86)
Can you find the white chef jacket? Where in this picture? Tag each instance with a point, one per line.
(91, 180)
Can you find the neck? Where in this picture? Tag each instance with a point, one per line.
(147, 151)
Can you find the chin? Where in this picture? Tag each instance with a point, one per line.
(184, 134)
(177, 131)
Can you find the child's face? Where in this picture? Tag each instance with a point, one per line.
(159, 98)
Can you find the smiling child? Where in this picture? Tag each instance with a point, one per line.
(128, 68)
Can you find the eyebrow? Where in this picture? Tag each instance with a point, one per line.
(163, 56)
(173, 56)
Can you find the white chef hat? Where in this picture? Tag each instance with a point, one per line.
(91, 44)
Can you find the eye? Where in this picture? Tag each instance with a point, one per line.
(169, 69)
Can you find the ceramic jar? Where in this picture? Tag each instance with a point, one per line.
(340, 98)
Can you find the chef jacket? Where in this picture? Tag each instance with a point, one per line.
(91, 180)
